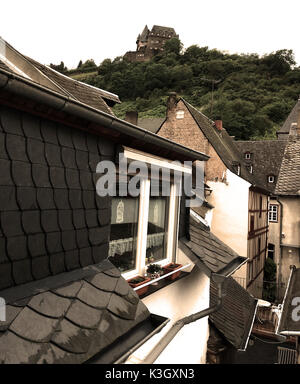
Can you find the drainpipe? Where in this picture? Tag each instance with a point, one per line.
(280, 244)
(170, 335)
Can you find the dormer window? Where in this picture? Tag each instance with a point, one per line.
(247, 156)
(271, 179)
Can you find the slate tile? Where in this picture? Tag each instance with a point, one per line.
(55, 355)
(103, 282)
(49, 304)
(49, 220)
(31, 126)
(36, 151)
(61, 198)
(21, 174)
(5, 173)
(72, 338)
(49, 131)
(89, 199)
(100, 253)
(3, 253)
(92, 143)
(11, 223)
(45, 198)
(8, 201)
(75, 198)
(3, 152)
(122, 287)
(104, 216)
(64, 136)
(79, 218)
(11, 313)
(57, 263)
(53, 155)
(68, 158)
(16, 147)
(27, 198)
(82, 160)
(79, 140)
(93, 161)
(40, 267)
(72, 260)
(68, 240)
(83, 315)
(85, 256)
(22, 271)
(69, 290)
(121, 308)
(31, 221)
(103, 202)
(99, 236)
(82, 238)
(106, 147)
(40, 175)
(65, 220)
(94, 297)
(42, 331)
(6, 280)
(86, 181)
(54, 242)
(11, 121)
(37, 244)
(72, 179)
(57, 177)
(113, 272)
(91, 218)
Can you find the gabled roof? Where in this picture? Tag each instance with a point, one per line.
(289, 323)
(151, 124)
(236, 317)
(208, 252)
(289, 180)
(266, 157)
(223, 144)
(157, 29)
(292, 118)
(54, 321)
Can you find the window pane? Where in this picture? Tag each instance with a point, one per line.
(157, 229)
(123, 236)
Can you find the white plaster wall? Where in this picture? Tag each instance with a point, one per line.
(182, 298)
(291, 220)
(230, 215)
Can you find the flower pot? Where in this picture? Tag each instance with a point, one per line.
(170, 268)
(140, 291)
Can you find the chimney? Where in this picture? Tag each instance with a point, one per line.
(131, 117)
(219, 125)
(171, 103)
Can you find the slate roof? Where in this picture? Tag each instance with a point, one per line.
(292, 118)
(289, 176)
(157, 29)
(208, 252)
(151, 124)
(223, 144)
(266, 157)
(59, 322)
(287, 324)
(236, 316)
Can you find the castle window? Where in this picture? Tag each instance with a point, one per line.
(247, 156)
(179, 114)
(271, 179)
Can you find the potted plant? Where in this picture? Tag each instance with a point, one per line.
(170, 268)
(137, 281)
(154, 271)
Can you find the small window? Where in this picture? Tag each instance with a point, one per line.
(273, 213)
(247, 155)
(271, 179)
(251, 224)
(260, 205)
(239, 170)
(179, 114)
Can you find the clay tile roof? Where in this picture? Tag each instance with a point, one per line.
(266, 157)
(236, 316)
(52, 321)
(209, 252)
(288, 180)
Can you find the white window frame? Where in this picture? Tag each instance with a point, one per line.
(173, 219)
(273, 213)
(271, 179)
(248, 156)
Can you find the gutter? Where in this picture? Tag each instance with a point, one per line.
(26, 88)
(176, 327)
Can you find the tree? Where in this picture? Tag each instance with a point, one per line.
(60, 67)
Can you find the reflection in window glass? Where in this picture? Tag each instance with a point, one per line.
(123, 237)
(157, 229)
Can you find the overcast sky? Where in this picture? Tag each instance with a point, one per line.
(70, 30)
